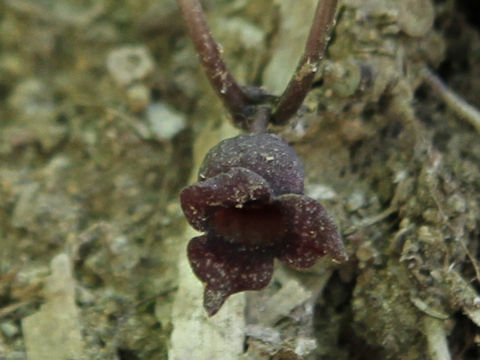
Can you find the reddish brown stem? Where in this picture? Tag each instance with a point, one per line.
(300, 83)
(232, 95)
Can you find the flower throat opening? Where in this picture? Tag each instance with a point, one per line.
(251, 227)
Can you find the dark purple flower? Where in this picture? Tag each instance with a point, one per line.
(249, 202)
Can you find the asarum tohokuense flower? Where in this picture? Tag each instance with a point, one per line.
(249, 202)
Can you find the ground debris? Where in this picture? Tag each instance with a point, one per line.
(54, 332)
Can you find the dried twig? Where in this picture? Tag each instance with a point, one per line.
(453, 100)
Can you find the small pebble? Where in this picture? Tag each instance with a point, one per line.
(138, 97)
(9, 329)
(129, 63)
(164, 121)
